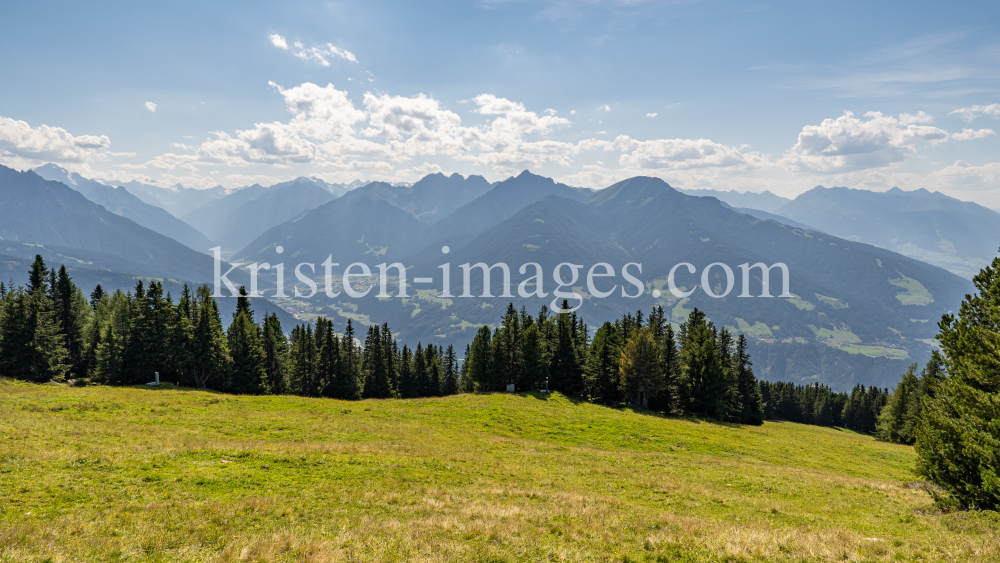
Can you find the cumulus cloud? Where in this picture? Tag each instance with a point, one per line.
(278, 41)
(150, 107)
(680, 154)
(970, 113)
(970, 134)
(49, 144)
(651, 114)
(849, 143)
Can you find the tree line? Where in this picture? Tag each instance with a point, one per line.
(637, 360)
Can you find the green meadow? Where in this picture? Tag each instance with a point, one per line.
(139, 474)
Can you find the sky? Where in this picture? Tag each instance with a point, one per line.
(750, 96)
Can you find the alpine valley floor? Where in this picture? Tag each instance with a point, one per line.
(130, 474)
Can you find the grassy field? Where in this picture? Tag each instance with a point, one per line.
(128, 474)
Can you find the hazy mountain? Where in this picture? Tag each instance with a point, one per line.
(39, 211)
(959, 236)
(211, 218)
(178, 200)
(237, 218)
(121, 202)
(435, 196)
(764, 201)
(765, 216)
(275, 206)
(500, 202)
(363, 226)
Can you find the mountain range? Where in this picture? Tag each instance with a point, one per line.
(959, 236)
(763, 201)
(36, 211)
(121, 202)
(858, 312)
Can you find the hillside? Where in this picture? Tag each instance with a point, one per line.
(959, 236)
(37, 211)
(121, 202)
(94, 473)
(860, 314)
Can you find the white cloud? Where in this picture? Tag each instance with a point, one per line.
(970, 113)
(323, 53)
(849, 143)
(681, 154)
(151, 107)
(605, 107)
(18, 140)
(651, 114)
(920, 117)
(970, 134)
(278, 41)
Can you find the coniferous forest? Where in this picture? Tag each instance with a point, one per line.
(50, 331)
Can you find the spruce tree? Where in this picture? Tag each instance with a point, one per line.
(703, 381)
(433, 371)
(534, 368)
(640, 371)
(450, 384)
(565, 374)
(480, 360)
(958, 439)
(351, 384)
(275, 347)
(420, 371)
(602, 373)
(211, 351)
(407, 383)
(246, 373)
(751, 402)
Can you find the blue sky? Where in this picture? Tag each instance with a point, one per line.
(748, 96)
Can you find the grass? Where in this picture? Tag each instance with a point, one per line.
(139, 474)
(915, 294)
